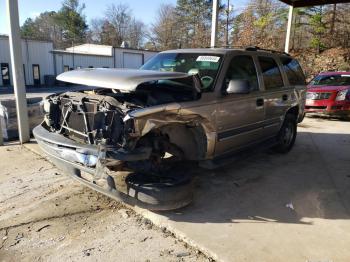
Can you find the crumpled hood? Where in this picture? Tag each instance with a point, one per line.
(125, 80)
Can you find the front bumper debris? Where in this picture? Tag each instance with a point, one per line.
(84, 154)
(82, 163)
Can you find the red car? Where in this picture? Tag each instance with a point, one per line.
(329, 94)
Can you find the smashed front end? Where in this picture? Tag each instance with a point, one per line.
(97, 135)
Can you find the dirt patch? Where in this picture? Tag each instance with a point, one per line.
(44, 215)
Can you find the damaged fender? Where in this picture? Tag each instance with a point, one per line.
(161, 117)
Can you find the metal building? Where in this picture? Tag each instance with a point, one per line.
(91, 55)
(40, 59)
(37, 61)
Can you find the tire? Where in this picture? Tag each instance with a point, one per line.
(287, 134)
(160, 192)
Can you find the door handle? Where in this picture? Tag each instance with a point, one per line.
(260, 102)
(285, 97)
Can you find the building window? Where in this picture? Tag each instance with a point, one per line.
(65, 68)
(5, 74)
(36, 74)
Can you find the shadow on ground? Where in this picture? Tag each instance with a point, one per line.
(314, 178)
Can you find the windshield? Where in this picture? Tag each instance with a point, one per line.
(331, 80)
(205, 65)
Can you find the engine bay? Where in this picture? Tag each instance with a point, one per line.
(91, 116)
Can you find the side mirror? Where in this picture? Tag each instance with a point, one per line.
(238, 86)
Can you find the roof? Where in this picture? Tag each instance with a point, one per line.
(96, 50)
(122, 79)
(304, 3)
(27, 39)
(57, 51)
(200, 50)
(223, 50)
(91, 49)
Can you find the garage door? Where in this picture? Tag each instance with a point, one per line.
(132, 60)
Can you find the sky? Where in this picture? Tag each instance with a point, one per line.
(144, 10)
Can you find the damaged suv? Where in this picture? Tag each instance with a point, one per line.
(131, 133)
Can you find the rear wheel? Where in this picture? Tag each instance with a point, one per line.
(287, 134)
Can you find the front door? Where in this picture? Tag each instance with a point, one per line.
(36, 75)
(240, 117)
(5, 74)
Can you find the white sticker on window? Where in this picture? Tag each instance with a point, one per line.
(208, 58)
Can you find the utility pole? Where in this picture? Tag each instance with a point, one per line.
(17, 70)
(214, 23)
(227, 21)
(289, 28)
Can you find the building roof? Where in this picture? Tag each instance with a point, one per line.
(304, 3)
(91, 49)
(2, 36)
(96, 50)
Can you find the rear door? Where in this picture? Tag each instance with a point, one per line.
(240, 116)
(276, 96)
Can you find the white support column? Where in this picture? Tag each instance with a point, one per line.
(289, 29)
(17, 70)
(214, 23)
(1, 138)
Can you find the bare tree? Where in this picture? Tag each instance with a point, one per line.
(164, 32)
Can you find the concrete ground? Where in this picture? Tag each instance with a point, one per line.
(272, 207)
(45, 216)
(267, 207)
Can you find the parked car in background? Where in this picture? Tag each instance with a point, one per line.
(329, 94)
(198, 105)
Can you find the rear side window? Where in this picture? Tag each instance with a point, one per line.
(242, 67)
(293, 70)
(270, 72)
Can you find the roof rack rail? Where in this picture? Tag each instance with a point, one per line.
(226, 46)
(256, 48)
(251, 48)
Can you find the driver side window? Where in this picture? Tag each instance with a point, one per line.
(242, 67)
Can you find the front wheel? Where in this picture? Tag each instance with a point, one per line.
(287, 134)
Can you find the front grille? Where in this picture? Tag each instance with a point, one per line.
(336, 107)
(315, 107)
(318, 95)
(82, 121)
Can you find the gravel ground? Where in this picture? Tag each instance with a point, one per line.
(45, 216)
